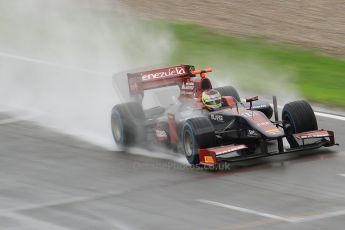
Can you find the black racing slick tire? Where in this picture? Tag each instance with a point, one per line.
(298, 116)
(197, 133)
(127, 124)
(229, 91)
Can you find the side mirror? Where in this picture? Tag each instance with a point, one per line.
(251, 99)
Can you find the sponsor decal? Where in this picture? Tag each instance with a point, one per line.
(312, 136)
(259, 106)
(250, 114)
(217, 117)
(164, 74)
(230, 149)
(251, 132)
(188, 86)
(161, 133)
(264, 123)
(272, 131)
(208, 160)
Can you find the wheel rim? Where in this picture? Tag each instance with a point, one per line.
(288, 126)
(188, 144)
(116, 130)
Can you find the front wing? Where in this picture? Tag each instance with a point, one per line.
(232, 153)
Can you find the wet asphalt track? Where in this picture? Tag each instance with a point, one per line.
(52, 181)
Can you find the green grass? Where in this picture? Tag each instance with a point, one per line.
(254, 64)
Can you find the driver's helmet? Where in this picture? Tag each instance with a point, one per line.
(211, 99)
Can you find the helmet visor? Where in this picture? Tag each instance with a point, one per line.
(213, 102)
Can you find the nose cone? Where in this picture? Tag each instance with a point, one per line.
(273, 132)
(262, 124)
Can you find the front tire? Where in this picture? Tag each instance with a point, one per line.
(197, 133)
(298, 116)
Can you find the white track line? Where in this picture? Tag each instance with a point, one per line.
(67, 201)
(342, 175)
(15, 119)
(15, 213)
(341, 118)
(275, 217)
(319, 216)
(321, 114)
(32, 223)
(9, 120)
(39, 61)
(42, 62)
(236, 208)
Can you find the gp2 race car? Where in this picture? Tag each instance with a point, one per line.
(239, 130)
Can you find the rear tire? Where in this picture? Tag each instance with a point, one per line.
(298, 116)
(197, 133)
(127, 124)
(229, 91)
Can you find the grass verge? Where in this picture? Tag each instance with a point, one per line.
(254, 64)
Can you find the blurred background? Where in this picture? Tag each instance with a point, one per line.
(295, 46)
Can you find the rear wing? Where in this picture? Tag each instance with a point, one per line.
(141, 81)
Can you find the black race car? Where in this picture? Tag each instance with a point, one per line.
(235, 132)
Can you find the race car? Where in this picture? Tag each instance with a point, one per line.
(236, 130)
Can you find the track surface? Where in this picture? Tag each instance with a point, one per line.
(52, 181)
